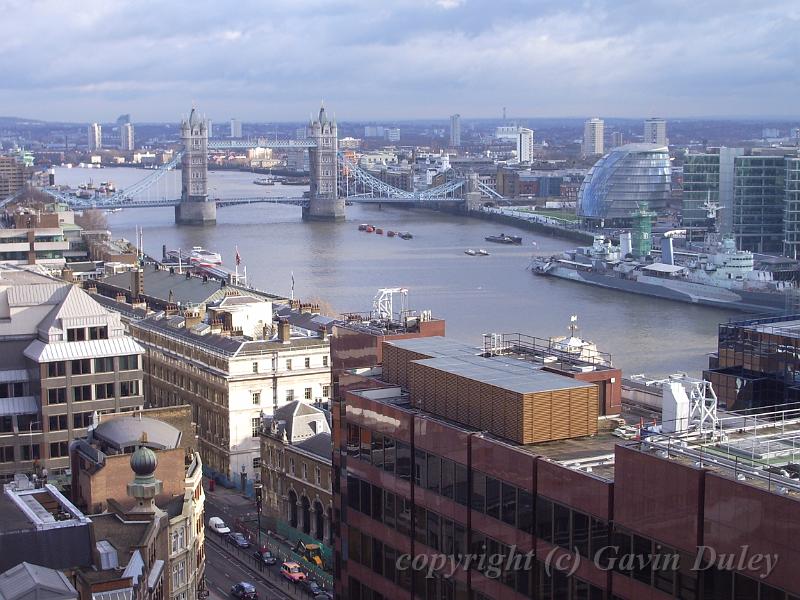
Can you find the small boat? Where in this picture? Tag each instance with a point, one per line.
(405, 235)
(504, 239)
(483, 252)
(111, 211)
(390, 234)
(379, 231)
(470, 252)
(264, 181)
(363, 227)
(369, 229)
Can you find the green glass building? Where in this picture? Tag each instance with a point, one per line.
(759, 198)
(791, 215)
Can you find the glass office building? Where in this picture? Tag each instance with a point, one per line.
(759, 198)
(624, 179)
(791, 219)
(700, 185)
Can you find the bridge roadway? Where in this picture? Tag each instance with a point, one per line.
(223, 202)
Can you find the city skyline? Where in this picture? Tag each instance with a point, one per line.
(414, 59)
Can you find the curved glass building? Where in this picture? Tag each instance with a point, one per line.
(622, 180)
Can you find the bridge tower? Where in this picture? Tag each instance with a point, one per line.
(324, 203)
(195, 208)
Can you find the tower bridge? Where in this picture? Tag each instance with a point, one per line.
(335, 179)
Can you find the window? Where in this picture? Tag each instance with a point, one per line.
(434, 472)
(509, 500)
(6, 454)
(31, 452)
(255, 425)
(307, 362)
(58, 422)
(460, 486)
(544, 519)
(59, 449)
(178, 539)
(288, 364)
(129, 362)
(257, 462)
(81, 367)
(388, 454)
(255, 367)
(493, 497)
(6, 424)
(447, 478)
(76, 334)
(317, 475)
(83, 419)
(98, 333)
(305, 471)
(103, 365)
(12, 390)
(403, 466)
(326, 391)
(307, 394)
(290, 395)
(377, 450)
(478, 492)
(291, 466)
(129, 388)
(178, 574)
(256, 396)
(325, 360)
(56, 369)
(57, 395)
(102, 391)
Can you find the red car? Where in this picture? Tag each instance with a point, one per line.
(292, 572)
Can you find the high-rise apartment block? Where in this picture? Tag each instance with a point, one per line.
(95, 136)
(617, 139)
(12, 176)
(126, 140)
(455, 131)
(524, 145)
(593, 132)
(66, 359)
(236, 129)
(655, 131)
(708, 182)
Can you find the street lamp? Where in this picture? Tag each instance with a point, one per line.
(257, 487)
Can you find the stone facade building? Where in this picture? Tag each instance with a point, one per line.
(296, 473)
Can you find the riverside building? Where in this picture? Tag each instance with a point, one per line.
(502, 450)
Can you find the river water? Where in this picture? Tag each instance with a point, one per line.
(336, 263)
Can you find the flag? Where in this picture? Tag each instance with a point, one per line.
(238, 257)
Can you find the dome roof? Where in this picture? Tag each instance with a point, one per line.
(144, 462)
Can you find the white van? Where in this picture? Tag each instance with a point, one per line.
(218, 525)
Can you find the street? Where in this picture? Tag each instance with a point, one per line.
(227, 565)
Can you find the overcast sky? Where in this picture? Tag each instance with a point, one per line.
(274, 60)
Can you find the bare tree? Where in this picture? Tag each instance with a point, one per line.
(92, 219)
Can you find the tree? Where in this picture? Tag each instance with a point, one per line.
(92, 219)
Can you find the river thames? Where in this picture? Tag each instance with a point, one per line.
(344, 267)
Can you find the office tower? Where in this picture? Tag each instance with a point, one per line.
(791, 221)
(655, 131)
(12, 176)
(455, 131)
(617, 139)
(126, 141)
(236, 129)
(95, 136)
(759, 197)
(392, 134)
(524, 145)
(593, 131)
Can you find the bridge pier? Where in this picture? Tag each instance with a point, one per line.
(196, 213)
(324, 209)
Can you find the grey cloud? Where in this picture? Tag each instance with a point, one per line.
(273, 60)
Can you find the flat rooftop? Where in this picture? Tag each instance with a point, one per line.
(504, 372)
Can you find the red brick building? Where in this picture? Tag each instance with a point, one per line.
(418, 479)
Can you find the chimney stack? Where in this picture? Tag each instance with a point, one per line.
(284, 331)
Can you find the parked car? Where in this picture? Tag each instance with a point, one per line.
(217, 525)
(239, 539)
(266, 557)
(293, 572)
(312, 587)
(244, 591)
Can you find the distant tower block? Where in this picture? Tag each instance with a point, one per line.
(324, 202)
(195, 208)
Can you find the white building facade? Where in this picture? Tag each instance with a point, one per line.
(593, 133)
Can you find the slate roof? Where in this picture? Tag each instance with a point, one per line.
(158, 284)
(122, 432)
(32, 582)
(320, 445)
